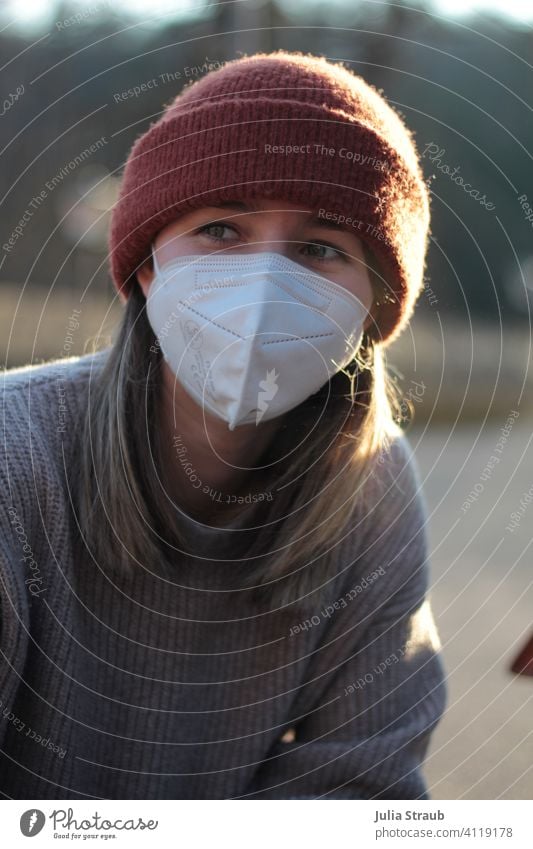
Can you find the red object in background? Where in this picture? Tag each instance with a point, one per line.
(523, 662)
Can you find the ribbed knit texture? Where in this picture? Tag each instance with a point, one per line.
(158, 689)
(220, 138)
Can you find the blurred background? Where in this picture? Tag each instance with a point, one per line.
(82, 80)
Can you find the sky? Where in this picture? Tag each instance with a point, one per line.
(36, 14)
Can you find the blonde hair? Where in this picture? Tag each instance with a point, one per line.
(127, 520)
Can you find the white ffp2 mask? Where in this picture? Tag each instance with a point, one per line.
(250, 336)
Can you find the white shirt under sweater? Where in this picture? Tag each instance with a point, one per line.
(165, 689)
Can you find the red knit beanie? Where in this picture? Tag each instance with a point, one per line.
(283, 126)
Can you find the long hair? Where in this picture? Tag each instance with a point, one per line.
(319, 488)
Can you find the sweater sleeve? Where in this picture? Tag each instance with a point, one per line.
(382, 690)
(15, 536)
(14, 624)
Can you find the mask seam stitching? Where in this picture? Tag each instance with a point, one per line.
(299, 339)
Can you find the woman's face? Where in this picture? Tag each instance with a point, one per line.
(267, 225)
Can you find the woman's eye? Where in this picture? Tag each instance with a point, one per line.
(319, 251)
(216, 230)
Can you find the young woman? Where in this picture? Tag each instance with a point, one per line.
(214, 551)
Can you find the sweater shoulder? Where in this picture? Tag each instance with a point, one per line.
(40, 407)
(390, 533)
(35, 399)
(397, 479)
(72, 369)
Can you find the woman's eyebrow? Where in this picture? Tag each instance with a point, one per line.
(318, 221)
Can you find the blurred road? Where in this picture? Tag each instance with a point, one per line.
(482, 596)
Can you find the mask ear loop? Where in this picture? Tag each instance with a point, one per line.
(157, 270)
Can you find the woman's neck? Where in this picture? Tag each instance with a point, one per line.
(207, 467)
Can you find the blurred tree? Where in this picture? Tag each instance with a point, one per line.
(464, 86)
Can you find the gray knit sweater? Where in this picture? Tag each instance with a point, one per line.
(170, 689)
